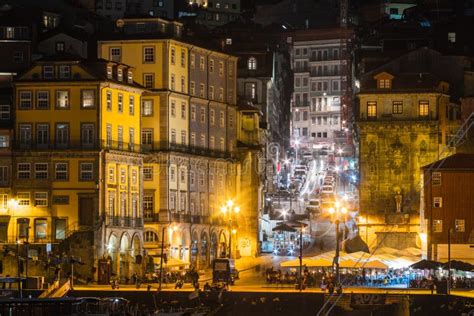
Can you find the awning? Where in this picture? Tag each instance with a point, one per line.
(308, 262)
(375, 264)
(426, 265)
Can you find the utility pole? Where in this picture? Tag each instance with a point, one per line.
(336, 257)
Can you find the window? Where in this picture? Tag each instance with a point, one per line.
(173, 109)
(183, 137)
(4, 112)
(23, 170)
(64, 71)
(147, 108)
(183, 84)
(252, 63)
(335, 86)
(221, 68)
(183, 111)
(41, 171)
(192, 88)
(437, 202)
(62, 135)
(212, 117)
(4, 141)
(61, 171)
(109, 101)
(203, 115)
(436, 178)
(437, 226)
(222, 118)
(42, 135)
(203, 140)
(148, 173)
(148, 55)
(25, 100)
(116, 54)
(108, 135)
(23, 198)
(149, 235)
(59, 228)
(62, 99)
(172, 201)
(459, 225)
(201, 90)
(193, 113)
(183, 58)
(173, 174)
(221, 94)
(41, 228)
(211, 92)
(192, 61)
(397, 107)
(147, 137)
(211, 66)
(119, 74)
(111, 174)
(109, 72)
(120, 137)
(123, 176)
(86, 171)
(88, 99)
(131, 139)
(452, 37)
(212, 142)
(384, 84)
(193, 139)
(60, 200)
(201, 63)
(25, 135)
(87, 134)
(424, 108)
(173, 56)
(41, 198)
(48, 72)
(371, 109)
(222, 144)
(173, 82)
(120, 103)
(131, 105)
(111, 204)
(42, 99)
(148, 80)
(173, 136)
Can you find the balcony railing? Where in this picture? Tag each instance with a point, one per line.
(394, 117)
(187, 149)
(179, 217)
(302, 103)
(78, 145)
(301, 69)
(124, 221)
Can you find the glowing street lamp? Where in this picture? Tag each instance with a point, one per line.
(228, 210)
(335, 212)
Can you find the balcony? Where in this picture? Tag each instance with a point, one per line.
(301, 103)
(187, 149)
(124, 221)
(78, 145)
(395, 117)
(301, 69)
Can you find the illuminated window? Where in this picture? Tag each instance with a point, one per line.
(41, 171)
(437, 226)
(86, 171)
(459, 225)
(23, 198)
(148, 173)
(41, 198)
(423, 108)
(438, 202)
(436, 178)
(147, 108)
(384, 83)
(62, 99)
(252, 63)
(371, 109)
(88, 98)
(148, 55)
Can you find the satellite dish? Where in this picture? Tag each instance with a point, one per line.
(120, 23)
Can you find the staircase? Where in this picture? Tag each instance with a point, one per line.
(56, 290)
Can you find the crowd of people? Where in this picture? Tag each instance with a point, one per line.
(323, 278)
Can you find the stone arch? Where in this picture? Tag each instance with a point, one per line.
(204, 249)
(213, 245)
(194, 248)
(184, 248)
(222, 250)
(137, 254)
(125, 256)
(113, 251)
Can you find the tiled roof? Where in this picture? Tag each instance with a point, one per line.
(456, 161)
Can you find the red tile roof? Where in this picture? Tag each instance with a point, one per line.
(456, 161)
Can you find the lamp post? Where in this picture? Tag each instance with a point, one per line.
(162, 252)
(335, 213)
(300, 285)
(228, 210)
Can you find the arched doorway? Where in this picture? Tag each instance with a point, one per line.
(113, 252)
(203, 254)
(194, 249)
(137, 255)
(213, 247)
(125, 259)
(222, 248)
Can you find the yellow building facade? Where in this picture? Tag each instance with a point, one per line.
(77, 164)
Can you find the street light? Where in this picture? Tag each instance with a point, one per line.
(336, 212)
(171, 230)
(228, 210)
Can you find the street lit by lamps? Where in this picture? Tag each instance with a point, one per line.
(228, 210)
